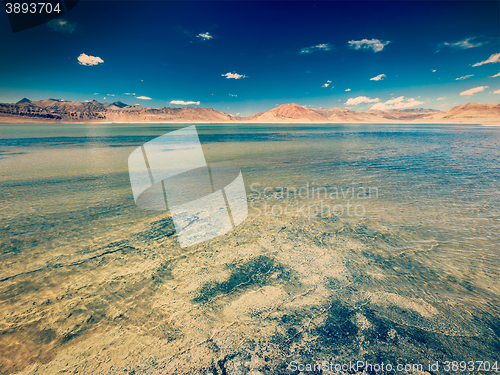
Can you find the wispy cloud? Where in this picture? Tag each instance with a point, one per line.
(360, 99)
(496, 75)
(87, 60)
(443, 98)
(96, 93)
(464, 77)
(234, 75)
(62, 26)
(397, 103)
(143, 97)
(182, 102)
(496, 92)
(374, 44)
(204, 36)
(492, 59)
(464, 44)
(316, 48)
(327, 83)
(348, 90)
(473, 91)
(378, 78)
(110, 95)
(433, 70)
(128, 93)
(233, 95)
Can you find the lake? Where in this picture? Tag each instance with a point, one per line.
(373, 243)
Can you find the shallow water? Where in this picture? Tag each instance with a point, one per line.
(410, 274)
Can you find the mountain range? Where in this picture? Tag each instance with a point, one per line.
(59, 110)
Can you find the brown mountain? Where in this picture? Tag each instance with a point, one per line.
(286, 113)
(58, 110)
(470, 112)
(297, 113)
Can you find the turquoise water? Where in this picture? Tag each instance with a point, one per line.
(420, 261)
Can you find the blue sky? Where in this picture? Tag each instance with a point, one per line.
(396, 54)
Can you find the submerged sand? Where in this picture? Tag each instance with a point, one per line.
(102, 287)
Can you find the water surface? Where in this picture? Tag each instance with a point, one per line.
(411, 277)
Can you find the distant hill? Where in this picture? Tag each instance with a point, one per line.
(297, 113)
(470, 112)
(59, 110)
(466, 113)
(415, 110)
(287, 112)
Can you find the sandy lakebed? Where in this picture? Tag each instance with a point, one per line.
(402, 268)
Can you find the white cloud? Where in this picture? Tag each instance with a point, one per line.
(233, 95)
(234, 75)
(204, 36)
(378, 78)
(96, 93)
(348, 90)
(360, 99)
(496, 92)
(464, 77)
(182, 102)
(397, 103)
(319, 47)
(473, 91)
(463, 44)
(399, 99)
(327, 83)
(111, 94)
(443, 98)
(375, 44)
(143, 97)
(62, 26)
(492, 59)
(128, 93)
(433, 70)
(87, 60)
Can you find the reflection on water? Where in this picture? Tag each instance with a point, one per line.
(415, 278)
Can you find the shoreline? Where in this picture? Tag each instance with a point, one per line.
(494, 123)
